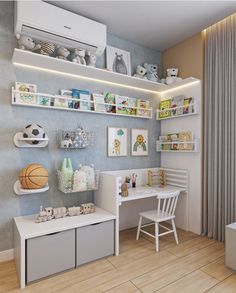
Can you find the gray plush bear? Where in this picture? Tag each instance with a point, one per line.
(26, 43)
(151, 73)
(62, 53)
(77, 56)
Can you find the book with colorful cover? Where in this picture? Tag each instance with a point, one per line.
(85, 101)
(132, 102)
(188, 107)
(26, 98)
(178, 103)
(121, 104)
(164, 109)
(144, 105)
(98, 103)
(186, 137)
(110, 99)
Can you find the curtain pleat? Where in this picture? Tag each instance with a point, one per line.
(219, 159)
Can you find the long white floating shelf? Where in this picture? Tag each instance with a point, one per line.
(193, 106)
(57, 66)
(16, 101)
(21, 191)
(194, 144)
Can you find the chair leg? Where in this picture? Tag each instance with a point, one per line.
(175, 232)
(139, 227)
(157, 236)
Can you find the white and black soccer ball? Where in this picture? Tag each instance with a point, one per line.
(34, 131)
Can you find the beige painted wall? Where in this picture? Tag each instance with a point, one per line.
(188, 56)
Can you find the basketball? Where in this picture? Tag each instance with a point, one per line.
(33, 176)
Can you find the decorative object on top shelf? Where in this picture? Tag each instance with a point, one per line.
(26, 43)
(32, 136)
(49, 213)
(140, 72)
(178, 106)
(46, 48)
(118, 60)
(151, 73)
(33, 179)
(77, 56)
(77, 139)
(117, 142)
(62, 53)
(139, 142)
(92, 58)
(172, 76)
(177, 142)
(83, 179)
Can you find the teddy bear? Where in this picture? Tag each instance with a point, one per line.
(92, 59)
(62, 53)
(140, 72)
(151, 73)
(44, 48)
(172, 76)
(77, 56)
(26, 43)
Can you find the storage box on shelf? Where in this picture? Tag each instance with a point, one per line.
(50, 105)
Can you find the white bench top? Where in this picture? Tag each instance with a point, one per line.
(29, 229)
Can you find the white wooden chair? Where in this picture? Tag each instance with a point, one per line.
(166, 206)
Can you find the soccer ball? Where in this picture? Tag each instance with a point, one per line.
(34, 131)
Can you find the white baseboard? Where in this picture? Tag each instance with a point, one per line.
(6, 255)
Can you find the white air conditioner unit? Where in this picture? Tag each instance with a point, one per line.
(46, 22)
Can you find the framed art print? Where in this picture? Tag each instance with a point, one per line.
(117, 144)
(118, 60)
(139, 142)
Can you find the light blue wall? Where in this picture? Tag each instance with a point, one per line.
(13, 119)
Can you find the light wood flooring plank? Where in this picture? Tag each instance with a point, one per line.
(227, 286)
(196, 282)
(127, 287)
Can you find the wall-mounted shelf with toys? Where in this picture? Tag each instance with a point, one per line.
(33, 179)
(33, 136)
(59, 102)
(48, 64)
(177, 142)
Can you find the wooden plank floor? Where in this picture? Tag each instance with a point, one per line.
(195, 265)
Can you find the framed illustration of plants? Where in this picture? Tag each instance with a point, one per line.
(139, 142)
(117, 142)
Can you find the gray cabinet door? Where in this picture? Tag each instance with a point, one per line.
(94, 242)
(50, 254)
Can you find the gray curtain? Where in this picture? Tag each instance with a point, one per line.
(219, 159)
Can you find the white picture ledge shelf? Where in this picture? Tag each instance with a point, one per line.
(21, 191)
(57, 66)
(194, 144)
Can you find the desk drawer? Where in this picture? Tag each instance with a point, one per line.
(94, 242)
(50, 254)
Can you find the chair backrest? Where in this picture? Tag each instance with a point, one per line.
(167, 202)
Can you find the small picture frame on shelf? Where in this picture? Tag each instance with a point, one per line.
(118, 60)
(139, 142)
(26, 98)
(117, 142)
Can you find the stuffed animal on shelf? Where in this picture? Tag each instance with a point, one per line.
(151, 73)
(45, 48)
(140, 72)
(26, 43)
(172, 76)
(62, 53)
(73, 211)
(92, 59)
(77, 56)
(88, 208)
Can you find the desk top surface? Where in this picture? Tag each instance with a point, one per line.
(141, 192)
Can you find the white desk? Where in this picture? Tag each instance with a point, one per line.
(142, 197)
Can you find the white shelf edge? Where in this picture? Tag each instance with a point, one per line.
(177, 116)
(57, 66)
(20, 141)
(21, 191)
(195, 144)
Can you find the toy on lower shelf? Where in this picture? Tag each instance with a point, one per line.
(49, 213)
(33, 135)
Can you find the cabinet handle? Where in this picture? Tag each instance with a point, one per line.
(96, 223)
(50, 234)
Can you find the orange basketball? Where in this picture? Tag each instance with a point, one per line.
(33, 176)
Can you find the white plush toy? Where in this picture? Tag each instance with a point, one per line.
(62, 53)
(151, 73)
(77, 56)
(140, 72)
(26, 43)
(172, 76)
(92, 59)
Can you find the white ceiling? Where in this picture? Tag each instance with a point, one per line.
(155, 24)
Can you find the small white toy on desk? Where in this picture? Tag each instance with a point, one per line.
(88, 208)
(74, 211)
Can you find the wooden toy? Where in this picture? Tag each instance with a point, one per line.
(74, 211)
(162, 178)
(88, 208)
(33, 176)
(152, 175)
(124, 189)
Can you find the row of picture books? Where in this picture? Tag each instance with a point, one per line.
(175, 106)
(107, 102)
(176, 141)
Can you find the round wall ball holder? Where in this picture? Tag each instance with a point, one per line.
(22, 142)
(21, 191)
